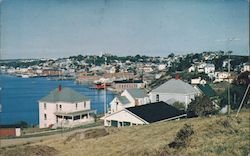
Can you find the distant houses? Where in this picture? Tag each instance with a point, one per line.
(174, 90)
(142, 115)
(129, 98)
(64, 107)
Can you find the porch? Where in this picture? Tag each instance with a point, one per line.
(73, 119)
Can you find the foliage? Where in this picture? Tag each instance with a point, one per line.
(243, 79)
(201, 106)
(236, 94)
(182, 138)
(22, 124)
(179, 105)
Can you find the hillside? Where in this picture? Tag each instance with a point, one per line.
(215, 135)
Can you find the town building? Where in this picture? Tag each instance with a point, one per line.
(198, 80)
(121, 85)
(174, 90)
(144, 114)
(64, 107)
(129, 98)
(207, 90)
(246, 67)
(209, 68)
(10, 130)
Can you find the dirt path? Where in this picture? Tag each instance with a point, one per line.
(21, 141)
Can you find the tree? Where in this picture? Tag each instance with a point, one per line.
(201, 106)
(179, 105)
(22, 124)
(171, 55)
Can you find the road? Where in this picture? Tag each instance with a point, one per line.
(22, 141)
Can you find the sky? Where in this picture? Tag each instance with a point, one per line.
(61, 28)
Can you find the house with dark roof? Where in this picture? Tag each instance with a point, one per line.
(143, 114)
(64, 107)
(174, 90)
(207, 90)
(129, 98)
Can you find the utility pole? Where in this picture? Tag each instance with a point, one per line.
(228, 93)
(242, 100)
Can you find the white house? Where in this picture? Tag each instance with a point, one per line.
(142, 115)
(162, 66)
(174, 90)
(221, 76)
(64, 107)
(191, 69)
(198, 81)
(129, 98)
(209, 68)
(246, 67)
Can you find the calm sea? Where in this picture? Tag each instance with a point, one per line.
(19, 97)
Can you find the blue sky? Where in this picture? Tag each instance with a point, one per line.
(59, 28)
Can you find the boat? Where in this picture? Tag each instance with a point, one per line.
(24, 76)
(102, 83)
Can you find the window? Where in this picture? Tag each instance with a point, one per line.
(76, 117)
(57, 107)
(114, 123)
(60, 106)
(45, 116)
(157, 98)
(84, 104)
(126, 123)
(45, 106)
(76, 105)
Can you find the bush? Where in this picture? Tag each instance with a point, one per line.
(182, 138)
(179, 105)
(202, 106)
(22, 124)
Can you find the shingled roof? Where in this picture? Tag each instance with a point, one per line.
(123, 99)
(207, 90)
(137, 93)
(157, 111)
(64, 95)
(175, 86)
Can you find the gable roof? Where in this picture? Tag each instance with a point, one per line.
(176, 86)
(65, 95)
(137, 93)
(123, 99)
(154, 112)
(207, 90)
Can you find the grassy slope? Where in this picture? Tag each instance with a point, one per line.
(210, 138)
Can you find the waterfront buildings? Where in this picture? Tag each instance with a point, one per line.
(121, 85)
(64, 107)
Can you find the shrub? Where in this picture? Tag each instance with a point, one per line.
(201, 106)
(182, 138)
(179, 105)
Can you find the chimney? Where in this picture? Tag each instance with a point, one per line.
(177, 77)
(59, 88)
